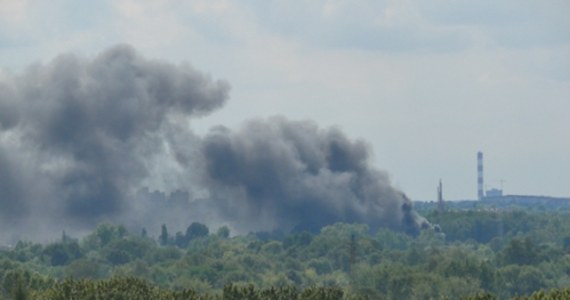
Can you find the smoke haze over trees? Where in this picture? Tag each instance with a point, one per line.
(80, 138)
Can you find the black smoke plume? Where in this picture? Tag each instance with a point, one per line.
(82, 140)
(285, 174)
(77, 134)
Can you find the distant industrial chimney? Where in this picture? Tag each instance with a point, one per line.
(480, 192)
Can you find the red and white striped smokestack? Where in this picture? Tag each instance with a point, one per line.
(480, 192)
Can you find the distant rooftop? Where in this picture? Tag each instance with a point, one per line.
(504, 201)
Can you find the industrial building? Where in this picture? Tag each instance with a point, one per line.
(495, 197)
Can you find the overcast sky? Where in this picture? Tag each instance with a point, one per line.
(426, 83)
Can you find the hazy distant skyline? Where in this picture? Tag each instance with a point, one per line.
(426, 83)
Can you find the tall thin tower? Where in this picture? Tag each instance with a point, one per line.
(440, 203)
(480, 192)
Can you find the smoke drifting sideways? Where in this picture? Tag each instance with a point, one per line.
(294, 175)
(84, 140)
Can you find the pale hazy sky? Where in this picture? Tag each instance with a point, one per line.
(426, 83)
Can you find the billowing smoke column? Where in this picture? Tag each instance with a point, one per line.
(76, 135)
(79, 138)
(288, 174)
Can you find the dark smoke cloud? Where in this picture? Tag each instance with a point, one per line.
(89, 140)
(285, 174)
(11, 194)
(87, 127)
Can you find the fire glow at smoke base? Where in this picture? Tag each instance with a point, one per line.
(79, 137)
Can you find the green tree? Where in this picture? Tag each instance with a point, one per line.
(518, 280)
(83, 268)
(60, 254)
(196, 230)
(223, 232)
(180, 240)
(520, 252)
(163, 239)
(103, 235)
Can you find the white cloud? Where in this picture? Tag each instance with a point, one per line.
(391, 26)
(12, 11)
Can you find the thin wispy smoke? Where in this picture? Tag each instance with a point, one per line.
(80, 137)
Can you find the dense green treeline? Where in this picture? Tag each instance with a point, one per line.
(135, 288)
(480, 252)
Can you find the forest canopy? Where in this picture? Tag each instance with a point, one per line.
(480, 252)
